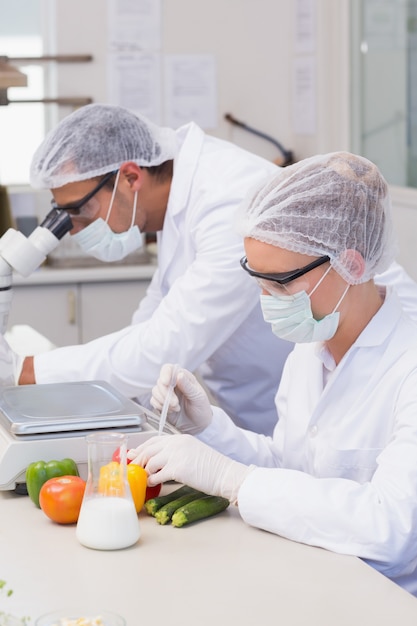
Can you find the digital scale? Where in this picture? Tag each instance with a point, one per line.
(50, 422)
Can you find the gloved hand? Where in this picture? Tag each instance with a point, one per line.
(187, 460)
(10, 364)
(189, 408)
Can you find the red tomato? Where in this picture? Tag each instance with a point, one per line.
(60, 498)
(116, 456)
(152, 492)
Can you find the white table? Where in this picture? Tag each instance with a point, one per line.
(215, 572)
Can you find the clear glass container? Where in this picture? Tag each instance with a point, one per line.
(108, 518)
(57, 618)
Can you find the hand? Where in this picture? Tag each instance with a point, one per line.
(187, 460)
(10, 364)
(189, 409)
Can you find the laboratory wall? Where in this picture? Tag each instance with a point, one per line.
(265, 63)
(282, 66)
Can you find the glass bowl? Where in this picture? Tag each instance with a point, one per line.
(54, 618)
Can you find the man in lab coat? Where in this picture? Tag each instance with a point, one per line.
(116, 171)
(118, 176)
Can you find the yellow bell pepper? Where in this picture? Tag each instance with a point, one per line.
(137, 478)
(111, 482)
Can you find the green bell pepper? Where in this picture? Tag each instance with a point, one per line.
(39, 472)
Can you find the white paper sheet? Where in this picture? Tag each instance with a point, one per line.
(134, 24)
(305, 26)
(134, 82)
(304, 96)
(190, 90)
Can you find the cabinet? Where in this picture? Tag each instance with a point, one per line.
(52, 310)
(76, 306)
(106, 307)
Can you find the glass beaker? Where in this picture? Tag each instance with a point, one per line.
(108, 518)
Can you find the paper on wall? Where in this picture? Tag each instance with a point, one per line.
(190, 90)
(134, 24)
(304, 95)
(134, 82)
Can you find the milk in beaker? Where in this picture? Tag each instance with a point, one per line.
(107, 523)
(108, 519)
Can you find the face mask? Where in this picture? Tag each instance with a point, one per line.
(98, 239)
(291, 317)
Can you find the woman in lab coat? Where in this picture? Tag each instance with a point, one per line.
(340, 470)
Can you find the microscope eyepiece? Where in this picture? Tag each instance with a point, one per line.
(58, 222)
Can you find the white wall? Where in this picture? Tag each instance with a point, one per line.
(253, 43)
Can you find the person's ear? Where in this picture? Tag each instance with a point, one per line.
(354, 262)
(132, 174)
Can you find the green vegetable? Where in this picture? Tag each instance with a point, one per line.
(7, 618)
(154, 504)
(164, 514)
(199, 509)
(4, 589)
(39, 472)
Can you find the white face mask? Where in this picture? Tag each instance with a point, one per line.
(98, 239)
(291, 317)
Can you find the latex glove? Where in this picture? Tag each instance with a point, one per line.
(187, 460)
(10, 364)
(189, 408)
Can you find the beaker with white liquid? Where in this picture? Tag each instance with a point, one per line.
(108, 519)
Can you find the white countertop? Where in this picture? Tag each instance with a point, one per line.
(216, 572)
(48, 275)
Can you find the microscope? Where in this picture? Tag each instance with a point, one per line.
(25, 254)
(50, 421)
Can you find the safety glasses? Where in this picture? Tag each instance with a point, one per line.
(283, 278)
(75, 207)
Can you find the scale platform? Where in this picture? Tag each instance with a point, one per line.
(46, 422)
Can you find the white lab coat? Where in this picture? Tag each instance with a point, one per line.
(201, 309)
(346, 451)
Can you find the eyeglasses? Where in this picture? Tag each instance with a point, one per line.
(283, 278)
(75, 207)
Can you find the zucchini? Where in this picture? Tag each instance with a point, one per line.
(164, 514)
(199, 509)
(154, 504)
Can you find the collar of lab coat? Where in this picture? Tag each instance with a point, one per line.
(378, 329)
(375, 333)
(190, 140)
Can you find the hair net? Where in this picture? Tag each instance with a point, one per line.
(325, 205)
(97, 139)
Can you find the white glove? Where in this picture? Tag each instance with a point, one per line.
(187, 460)
(189, 408)
(10, 364)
